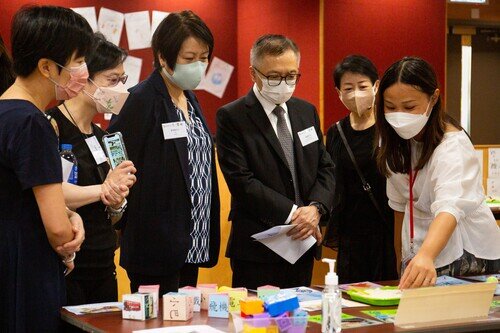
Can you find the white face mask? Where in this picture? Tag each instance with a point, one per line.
(408, 125)
(359, 101)
(110, 99)
(276, 94)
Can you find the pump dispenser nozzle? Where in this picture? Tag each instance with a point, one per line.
(331, 278)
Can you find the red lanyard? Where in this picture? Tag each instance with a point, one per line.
(412, 182)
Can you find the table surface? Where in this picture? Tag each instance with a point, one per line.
(113, 322)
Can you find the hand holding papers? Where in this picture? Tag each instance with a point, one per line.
(276, 239)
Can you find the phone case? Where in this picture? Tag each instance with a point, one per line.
(117, 153)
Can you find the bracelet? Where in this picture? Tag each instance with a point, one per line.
(115, 212)
(70, 259)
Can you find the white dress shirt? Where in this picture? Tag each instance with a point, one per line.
(273, 119)
(449, 182)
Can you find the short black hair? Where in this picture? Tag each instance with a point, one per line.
(273, 45)
(7, 75)
(173, 31)
(355, 64)
(51, 32)
(105, 55)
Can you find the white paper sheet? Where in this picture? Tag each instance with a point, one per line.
(276, 239)
(493, 187)
(217, 77)
(494, 163)
(182, 329)
(132, 66)
(89, 14)
(95, 308)
(157, 17)
(111, 24)
(138, 30)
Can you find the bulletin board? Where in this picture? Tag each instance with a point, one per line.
(217, 14)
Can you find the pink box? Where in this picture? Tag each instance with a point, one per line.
(177, 306)
(196, 293)
(206, 289)
(155, 291)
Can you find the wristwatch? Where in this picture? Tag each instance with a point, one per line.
(115, 212)
(320, 206)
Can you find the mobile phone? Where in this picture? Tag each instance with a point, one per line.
(115, 148)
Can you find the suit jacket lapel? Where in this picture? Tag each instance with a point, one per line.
(259, 117)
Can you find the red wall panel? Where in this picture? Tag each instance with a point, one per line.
(384, 31)
(219, 15)
(296, 19)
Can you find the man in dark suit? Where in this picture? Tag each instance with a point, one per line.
(272, 156)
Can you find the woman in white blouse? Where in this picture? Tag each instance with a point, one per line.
(434, 181)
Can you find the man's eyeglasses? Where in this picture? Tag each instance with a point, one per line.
(274, 79)
(114, 79)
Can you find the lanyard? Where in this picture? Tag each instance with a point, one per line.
(412, 227)
(412, 182)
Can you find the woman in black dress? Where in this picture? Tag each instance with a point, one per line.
(38, 235)
(94, 197)
(362, 230)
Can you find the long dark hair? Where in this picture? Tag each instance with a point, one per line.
(7, 75)
(394, 151)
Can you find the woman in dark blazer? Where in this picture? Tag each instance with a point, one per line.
(172, 223)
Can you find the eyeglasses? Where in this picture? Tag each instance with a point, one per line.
(114, 79)
(275, 80)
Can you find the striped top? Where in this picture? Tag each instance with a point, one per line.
(200, 174)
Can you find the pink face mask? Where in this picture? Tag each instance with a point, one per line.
(76, 83)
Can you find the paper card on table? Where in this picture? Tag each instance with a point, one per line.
(386, 316)
(349, 321)
(95, 308)
(157, 17)
(111, 24)
(132, 66)
(138, 30)
(445, 280)
(182, 329)
(217, 77)
(493, 187)
(359, 285)
(276, 239)
(89, 14)
(494, 163)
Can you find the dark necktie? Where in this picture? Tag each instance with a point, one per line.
(285, 138)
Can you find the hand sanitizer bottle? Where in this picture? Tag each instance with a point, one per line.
(331, 301)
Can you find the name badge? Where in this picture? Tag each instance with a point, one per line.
(308, 136)
(96, 150)
(174, 130)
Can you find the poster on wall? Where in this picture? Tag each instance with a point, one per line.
(494, 162)
(138, 30)
(111, 24)
(493, 187)
(158, 16)
(89, 14)
(217, 77)
(132, 66)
